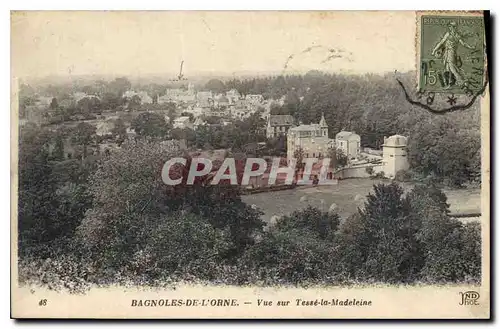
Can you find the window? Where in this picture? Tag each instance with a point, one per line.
(314, 155)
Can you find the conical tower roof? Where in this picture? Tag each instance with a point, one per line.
(322, 122)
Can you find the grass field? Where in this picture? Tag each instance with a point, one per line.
(347, 196)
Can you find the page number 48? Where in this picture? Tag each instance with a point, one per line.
(42, 302)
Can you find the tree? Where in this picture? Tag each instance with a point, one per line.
(440, 149)
(277, 146)
(89, 105)
(287, 257)
(375, 244)
(150, 124)
(119, 131)
(215, 86)
(52, 197)
(292, 102)
(119, 86)
(83, 135)
(54, 105)
(58, 152)
(36, 189)
(130, 200)
(111, 101)
(164, 250)
(296, 250)
(338, 159)
(369, 171)
(299, 155)
(276, 109)
(323, 224)
(134, 102)
(172, 112)
(127, 191)
(183, 134)
(451, 251)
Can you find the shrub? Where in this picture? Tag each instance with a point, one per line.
(403, 176)
(369, 170)
(293, 256)
(322, 224)
(297, 250)
(65, 272)
(379, 175)
(378, 238)
(181, 244)
(452, 251)
(129, 195)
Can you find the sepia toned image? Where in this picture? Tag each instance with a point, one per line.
(250, 164)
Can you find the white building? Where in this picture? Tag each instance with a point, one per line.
(182, 123)
(178, 95)
(204, 99)
(254, 99)
(233, 95)
(198, 123)
(349, 143)
(312, 139)
(143, 95)
(222, 101)
(395, 156)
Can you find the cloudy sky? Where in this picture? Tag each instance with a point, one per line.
(140, 43)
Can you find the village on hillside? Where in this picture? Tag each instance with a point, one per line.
(96, 120)
(188, 109)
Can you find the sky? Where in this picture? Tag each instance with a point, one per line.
(47, 43)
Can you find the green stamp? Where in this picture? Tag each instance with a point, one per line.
(452, 54)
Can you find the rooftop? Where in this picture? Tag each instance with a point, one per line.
(281, 120)
(182, 119)
(346, 135)
(396, 140)
(311, 127)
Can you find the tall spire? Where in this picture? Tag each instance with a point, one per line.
(322, 122)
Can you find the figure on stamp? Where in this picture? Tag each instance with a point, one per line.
(447, 50)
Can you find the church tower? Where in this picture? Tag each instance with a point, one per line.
(323, 126)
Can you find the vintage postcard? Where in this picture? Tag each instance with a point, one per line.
(250, 165)
(452, 50)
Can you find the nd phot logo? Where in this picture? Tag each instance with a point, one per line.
(469, 298)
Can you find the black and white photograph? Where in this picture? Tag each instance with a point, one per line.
(250, 164)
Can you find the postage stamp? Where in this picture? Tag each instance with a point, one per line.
(452, 54)
(263, 165)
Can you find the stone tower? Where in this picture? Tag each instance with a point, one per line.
(395, 157)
